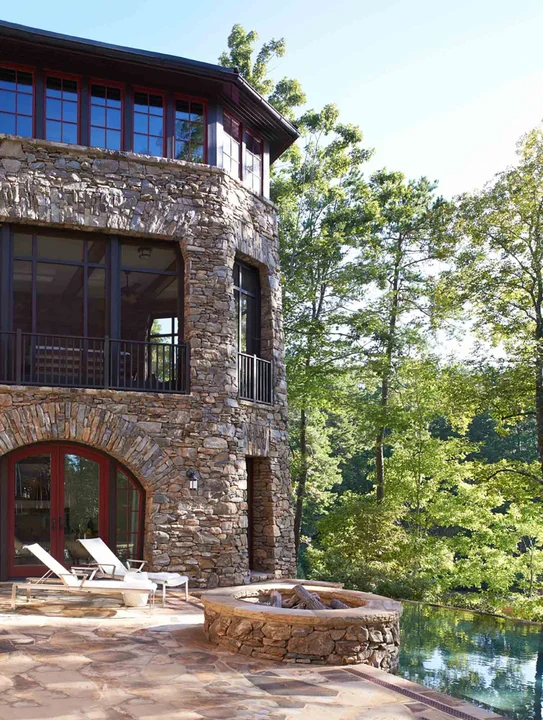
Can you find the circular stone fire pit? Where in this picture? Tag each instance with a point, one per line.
(239, 619)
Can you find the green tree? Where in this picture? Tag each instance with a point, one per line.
(405, 244)
(320, 194)
(286, 94)
(499, 272)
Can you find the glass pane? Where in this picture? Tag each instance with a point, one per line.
(54, 87)
(22, 244)
(182, 150)
(141, 144)
(22, 295)
(114, 119)
(24, 125)
(156, 146)
(63, 247)
(54, 109)
(24, 82)
(141, 123)
(7, 101)
(197, 153)
(7, 78)
(70, 89)
(53, 130)
(69, 112)
(196, 112)
(32, 507)
(113, 139)
(141, 101)
(24, 104)
(128, 518)
(98, 137)
(59, 310)
(96, 310)
(155, 125)
(145, 255)
(98, 115)
(7, 123)
(114, 97)
(155, 105)
(144, 296)
(81, 506)
(69, 133)
(98, 95)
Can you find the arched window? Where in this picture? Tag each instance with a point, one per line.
(59, 492)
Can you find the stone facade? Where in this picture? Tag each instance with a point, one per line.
(368, 632)
(215, 220)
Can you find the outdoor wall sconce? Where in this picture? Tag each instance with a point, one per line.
(144, 252)
(193, 479)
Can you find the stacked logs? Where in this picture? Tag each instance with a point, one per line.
(302, 599)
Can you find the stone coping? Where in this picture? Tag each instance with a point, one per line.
(368, 608)
(128, 156)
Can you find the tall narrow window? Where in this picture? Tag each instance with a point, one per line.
(189, 130)
(149, 123)
(16, 102)
(252, 175)
(61, 109)
(105, 116)
(247, 299)
(232, 145)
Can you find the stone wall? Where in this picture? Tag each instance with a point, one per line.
(159, 437)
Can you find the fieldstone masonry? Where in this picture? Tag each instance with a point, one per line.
(159, 437)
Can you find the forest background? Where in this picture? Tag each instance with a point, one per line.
(414, 347)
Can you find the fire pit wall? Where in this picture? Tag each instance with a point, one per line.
(368, 631)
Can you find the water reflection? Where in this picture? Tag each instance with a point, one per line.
(494, 663)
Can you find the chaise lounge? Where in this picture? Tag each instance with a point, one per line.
(135, 592)
(110, 566)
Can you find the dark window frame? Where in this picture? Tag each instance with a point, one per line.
(165, 105)
(106, 83)
(191, 99)
(48, 73)
(28, 69)
(231, 116)
(254, 333)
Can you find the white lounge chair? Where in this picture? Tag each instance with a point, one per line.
(133, 591)
(111, 566)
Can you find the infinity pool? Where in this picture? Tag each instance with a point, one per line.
(494, 663)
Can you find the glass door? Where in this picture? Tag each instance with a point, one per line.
(83, 475)
(32, 511)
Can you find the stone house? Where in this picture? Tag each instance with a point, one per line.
(142, 377)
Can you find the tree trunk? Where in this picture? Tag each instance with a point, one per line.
(302, 482)
(539, 393)
(385, 378)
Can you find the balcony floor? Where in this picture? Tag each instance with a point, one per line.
(69, 658)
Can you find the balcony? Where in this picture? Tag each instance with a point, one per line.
(79, 362)
(254, 378)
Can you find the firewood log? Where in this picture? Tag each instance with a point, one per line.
(275, 599)
(291, 601)
(338, 605)
(307, 598)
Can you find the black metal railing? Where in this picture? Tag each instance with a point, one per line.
(71, 361)
(254, 378)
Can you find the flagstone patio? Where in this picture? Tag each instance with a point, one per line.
(67, 658)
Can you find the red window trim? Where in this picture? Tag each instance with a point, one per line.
(63, 76)
(107, 83)
(163, 95)
(192, 98)
(240, 162)
(105, 462)
(32, 70)
(261, 141)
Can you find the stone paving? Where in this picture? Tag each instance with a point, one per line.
(69, 658)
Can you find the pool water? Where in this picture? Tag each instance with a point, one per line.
(491, 662)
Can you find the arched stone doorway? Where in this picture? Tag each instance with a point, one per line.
(56, 492)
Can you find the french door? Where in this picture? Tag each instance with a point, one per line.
(59, 493)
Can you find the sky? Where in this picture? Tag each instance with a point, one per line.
(442, 89)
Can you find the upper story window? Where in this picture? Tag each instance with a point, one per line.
(62, 109)
(252, 171)
(189, 130)
(232, 145)
(149, 123)
(247, 301)
(106, 116)
(16, 101)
